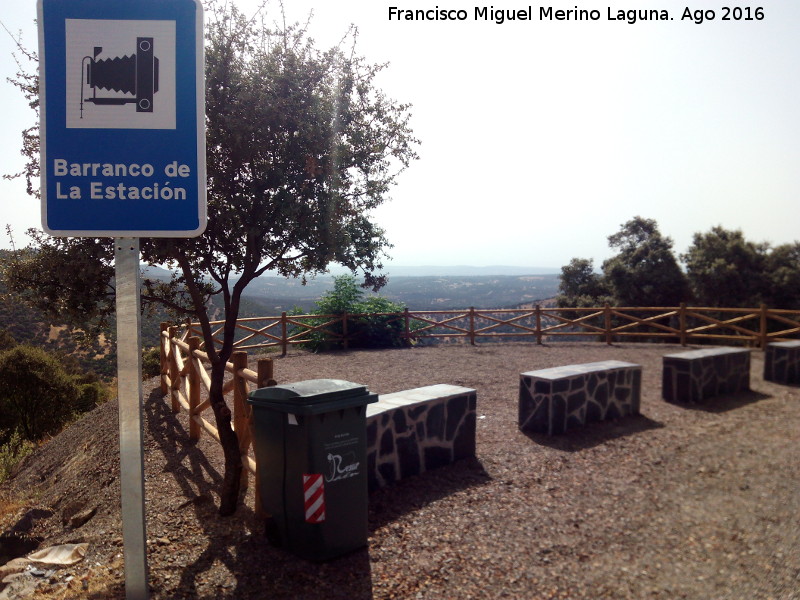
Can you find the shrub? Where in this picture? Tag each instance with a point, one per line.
(11, 452)
(151, 362)
(370, 329)
(37, 396)
(91, 395)
(366, 328)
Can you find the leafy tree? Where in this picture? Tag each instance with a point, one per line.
(783, 274)
(645, 271)
(37, 396)
(25, 325)
(724, 269)
(301, 146)
(580, 286)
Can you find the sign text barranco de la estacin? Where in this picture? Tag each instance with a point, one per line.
(122, 118)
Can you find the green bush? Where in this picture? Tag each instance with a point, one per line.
(151, 362)
(37, 396)
(365, 327)
(91, 395)
(12, 451)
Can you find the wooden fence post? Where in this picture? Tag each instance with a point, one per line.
(284, 339)
(538, 325)
(241, 420)
(763, 335)
(174, 371)
(472, 325)
(266, 373)
(344, 330)
(163, 345)
(193, 383)
(682, 322)
(407, 326)
(607, 322)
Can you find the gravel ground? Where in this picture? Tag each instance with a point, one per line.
(699, 502)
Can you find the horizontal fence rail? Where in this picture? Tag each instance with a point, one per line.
(186, 382)
(748, 326)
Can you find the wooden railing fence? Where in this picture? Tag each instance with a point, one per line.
(684, 324)
(186, 381)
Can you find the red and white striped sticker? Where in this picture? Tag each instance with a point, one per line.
(314, 496)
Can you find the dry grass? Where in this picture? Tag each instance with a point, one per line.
(10, 505)
(99, 582)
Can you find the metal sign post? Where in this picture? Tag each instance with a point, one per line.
(122, 122)
(129, 375)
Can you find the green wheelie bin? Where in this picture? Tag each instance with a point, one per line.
(310, 446)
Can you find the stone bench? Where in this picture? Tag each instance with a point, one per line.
(554, 400)
(697, 375)
(782, 362)
(417, 430)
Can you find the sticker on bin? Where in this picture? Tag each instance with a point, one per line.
(314, 497)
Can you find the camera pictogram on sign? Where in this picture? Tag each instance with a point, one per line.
(120, 74)
(135, 75)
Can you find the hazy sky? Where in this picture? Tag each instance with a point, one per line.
(539, 138)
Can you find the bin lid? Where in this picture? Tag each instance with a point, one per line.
(313, 396)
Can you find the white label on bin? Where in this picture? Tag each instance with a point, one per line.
(292, 419)
(342, 466)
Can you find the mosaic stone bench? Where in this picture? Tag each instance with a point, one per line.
(782, 362)
(417, 430)
(554, 400)
(697, 375)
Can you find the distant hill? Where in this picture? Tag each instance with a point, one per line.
(277, 294)
(419, 288)
(466, 271)
(393, 270)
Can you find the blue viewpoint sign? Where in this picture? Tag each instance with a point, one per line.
(122, 118)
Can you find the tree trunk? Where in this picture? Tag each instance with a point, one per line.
(229, 492)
